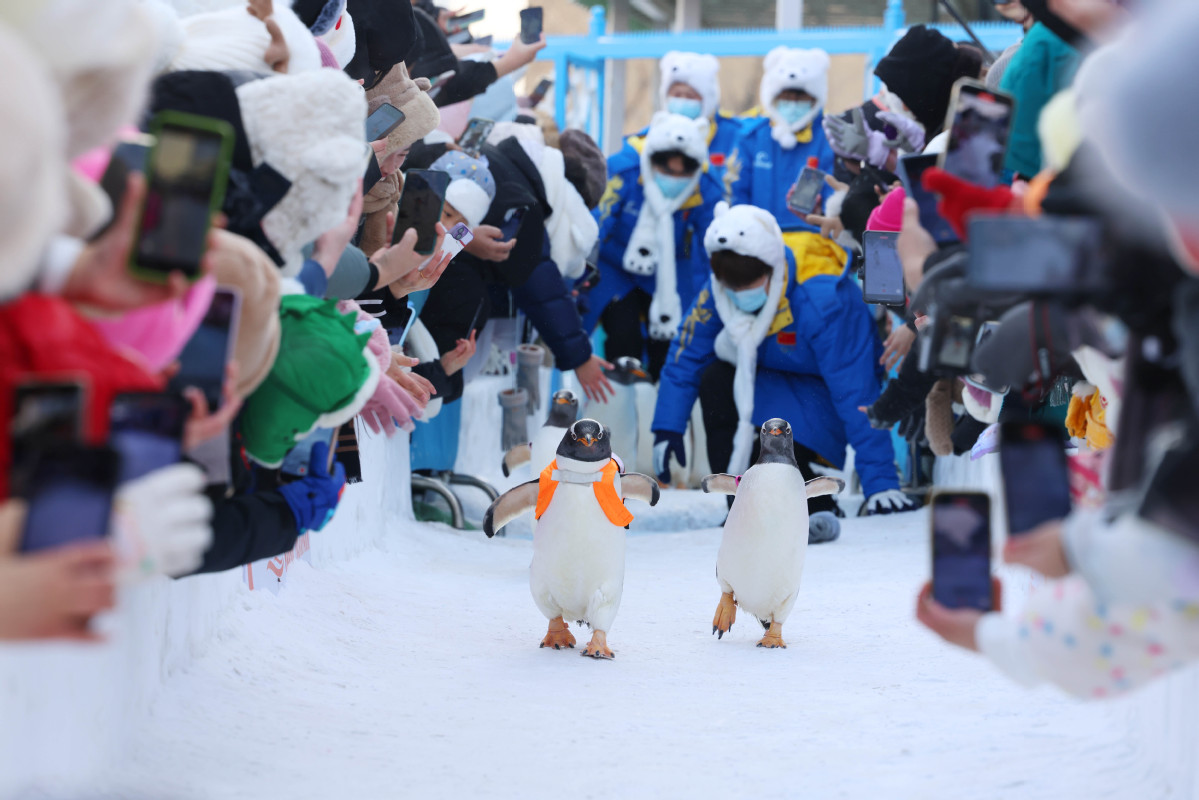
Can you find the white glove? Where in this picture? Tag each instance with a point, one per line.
(891, 501)
(911, 132)
(162, 523)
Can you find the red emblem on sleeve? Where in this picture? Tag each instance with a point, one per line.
(787, 338)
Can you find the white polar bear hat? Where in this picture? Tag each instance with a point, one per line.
(700, 72)
(794, 68)
(748, 231)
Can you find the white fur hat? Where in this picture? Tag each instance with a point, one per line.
(472, 187)
(748, 231)
(700, 72)
(309, 127)
(793, 68)
(33, 202)
(228, 37)
(669, 132)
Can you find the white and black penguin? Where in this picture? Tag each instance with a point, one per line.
(761, 558)
(619, 413)
(564, 410)
(579, 539)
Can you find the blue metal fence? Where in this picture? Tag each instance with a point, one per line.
(579, 60)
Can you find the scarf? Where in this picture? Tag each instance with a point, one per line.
(603, 484)
(571, 228)
(737, 344)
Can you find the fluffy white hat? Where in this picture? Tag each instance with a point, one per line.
(309, 127)
(472, 187)
(225, 36)
(793, 68)
(748, 231)
(700, 72)
(33, 200)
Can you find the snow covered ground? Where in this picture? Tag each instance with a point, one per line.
(412, 670)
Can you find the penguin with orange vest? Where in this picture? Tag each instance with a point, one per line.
(579, 539)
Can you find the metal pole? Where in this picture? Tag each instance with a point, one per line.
(688, 15)
(614, 100)
(788, 15)
(988, 56)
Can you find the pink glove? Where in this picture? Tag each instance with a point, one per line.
(388, 405)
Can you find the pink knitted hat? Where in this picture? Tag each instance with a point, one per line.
(889, 215)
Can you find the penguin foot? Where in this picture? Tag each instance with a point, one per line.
(773, 637)
(559, 635)
(726, 615)
(598, 647)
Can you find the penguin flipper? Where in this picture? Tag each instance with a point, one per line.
(510, 505)
(822, 486)
(720, 484)
(640, 487)
(517, 456)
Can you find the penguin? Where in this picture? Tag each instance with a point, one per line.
(620, 412)
(761, 557)
(578, 542)
(564, 410)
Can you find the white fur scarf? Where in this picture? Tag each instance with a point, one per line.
(651, 251)
(738, 345)
(572, 229)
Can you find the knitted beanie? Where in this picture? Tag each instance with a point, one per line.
(921, 69)
(409, 96)
(309, 127)
(888, 216)
(32, 167)
(586, 167)
(322, 377)
(472, 187)
(700, 72)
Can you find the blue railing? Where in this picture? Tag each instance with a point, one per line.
(588, 54)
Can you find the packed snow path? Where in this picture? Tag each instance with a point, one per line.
(413, 671)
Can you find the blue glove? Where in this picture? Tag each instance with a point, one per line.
(891, 501)
(666, 444)
(314, 498)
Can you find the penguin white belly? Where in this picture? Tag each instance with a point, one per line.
(578, 559)
(765, 541)
(545, 447)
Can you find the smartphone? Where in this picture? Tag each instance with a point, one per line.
(373, 174)
(484, 41)
(1036, 477)
(953, 344)
(961, 531)
(203, 360)
(129, 155)
(298, 461)
(70, 496)
(186, 174)
(474, 320)
(540, 92)
(45, 414)
(465, 20)
(911, 171)
(421, 203)
(440, 81)
(458, 37)
(456, 239)
(146, 430)
(882, 281)
(806, 191)
(530, 25)
(979, 123)
(1171, 500)
(1038, 255)
(512, 224)
(475, 136)
(382, 121)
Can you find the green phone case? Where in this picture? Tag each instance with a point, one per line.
(178, 119)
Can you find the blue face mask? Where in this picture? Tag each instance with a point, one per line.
(792, 111)
(691, 109)
(671, 186)
(748, 300)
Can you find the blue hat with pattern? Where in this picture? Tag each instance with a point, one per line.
(472, 187)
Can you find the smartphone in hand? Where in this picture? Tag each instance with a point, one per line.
(1047, 255)
(530, 25)
(420, 207)
(204, 358)
(979, 124)
(540, 92)
(462, 21)
(46, 414)
(806, 191)
(475, 136)
(382, 121)
(70, 496)
(146, 430)
(882, 281)
(298, 461)
(911, 171)
(186, 174)
(961, 535)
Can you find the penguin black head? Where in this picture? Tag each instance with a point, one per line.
(628, 372)
(587, 441)
(777, 444)
(564, 410)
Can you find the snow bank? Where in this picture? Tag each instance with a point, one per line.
(67, 711)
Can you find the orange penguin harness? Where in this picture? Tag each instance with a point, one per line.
(604, 488)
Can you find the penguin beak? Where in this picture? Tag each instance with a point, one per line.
(588, 441)
(562, 401)
(775, 432)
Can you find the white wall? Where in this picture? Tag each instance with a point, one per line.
(66, 711)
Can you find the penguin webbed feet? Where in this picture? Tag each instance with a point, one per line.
(774, 637)
(726, 615)
(558, 636)
(598, 648)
